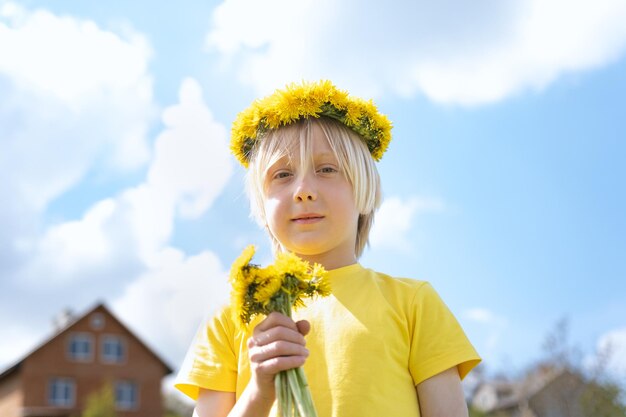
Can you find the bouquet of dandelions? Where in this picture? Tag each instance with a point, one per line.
(278, 287)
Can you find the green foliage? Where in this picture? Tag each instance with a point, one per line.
(603, 400)
(601, 396)
(475, 413)
(101, 403)
(571, 386)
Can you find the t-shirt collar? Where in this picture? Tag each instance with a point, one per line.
(344, 270)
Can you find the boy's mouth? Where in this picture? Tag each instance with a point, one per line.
(307, 218)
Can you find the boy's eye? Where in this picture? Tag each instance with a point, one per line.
(327, 170)
(281, 174)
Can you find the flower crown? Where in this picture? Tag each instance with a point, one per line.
(298, 101)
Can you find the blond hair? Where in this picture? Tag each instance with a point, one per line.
(353, 157)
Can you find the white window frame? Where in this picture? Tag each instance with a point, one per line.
(106, 338)
(127, 388)
(81, 356)
(97, 321)
(67, 384)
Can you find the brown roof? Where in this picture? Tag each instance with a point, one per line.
(11, 369)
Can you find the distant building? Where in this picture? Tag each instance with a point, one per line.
(546, 392)
(83, 355)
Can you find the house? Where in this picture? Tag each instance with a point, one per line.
(546, 392)
(80, 358)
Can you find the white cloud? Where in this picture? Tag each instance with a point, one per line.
(168, 302)
(610, 354)
(489, 327)
(480, 315)
(70, 59)
(78, 76)
(75, 99)
(66, 250)
(192, 162)
(395, 218)
(120, 248)
(451, 51)
(191, 165)
(19, 339)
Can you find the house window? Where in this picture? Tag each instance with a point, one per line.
(61, 392)
(97, 321)
(126, 395)
(81, 347)
(113, 349)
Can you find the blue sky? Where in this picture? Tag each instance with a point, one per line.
(504, 183)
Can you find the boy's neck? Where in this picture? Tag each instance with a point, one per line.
(330, 260)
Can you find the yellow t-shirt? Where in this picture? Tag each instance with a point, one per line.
(371, 342)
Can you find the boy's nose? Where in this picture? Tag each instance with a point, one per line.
(305, 196)
(304, 191)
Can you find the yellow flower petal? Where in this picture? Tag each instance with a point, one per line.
(315, 99)
(278, 287)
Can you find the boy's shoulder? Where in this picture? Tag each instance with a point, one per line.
(395, 283)
(396, 280)
(401, 292)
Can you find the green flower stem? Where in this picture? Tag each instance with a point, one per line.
(281, 395)
(292, 389)
(303, 383)
(288, 396)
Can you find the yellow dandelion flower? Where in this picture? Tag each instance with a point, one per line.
(320, 276)
(237, 270)
(241, 276)
(268, 289)
(303, 100)
(287, 262)
(278, 287)
(353, 113)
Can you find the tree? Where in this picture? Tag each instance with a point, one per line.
(603, 400)
(601, 395)
(562, 383)
(473, 412)
(101, 403)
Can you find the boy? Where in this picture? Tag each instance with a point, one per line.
(379, 345)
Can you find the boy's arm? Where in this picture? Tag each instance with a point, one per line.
(222, 404)
(442, 395)
(214, 403)
(277, 344)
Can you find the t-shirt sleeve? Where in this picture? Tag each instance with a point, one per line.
(211, 361)
(438, 342)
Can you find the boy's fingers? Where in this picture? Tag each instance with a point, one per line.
(304, 327)
(275, 319)
(277, 349)
(278, 344)
(275, 334)
(275, 365)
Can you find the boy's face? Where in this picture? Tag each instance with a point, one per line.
(312, 211)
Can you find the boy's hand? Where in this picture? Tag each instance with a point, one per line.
(277, 344)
